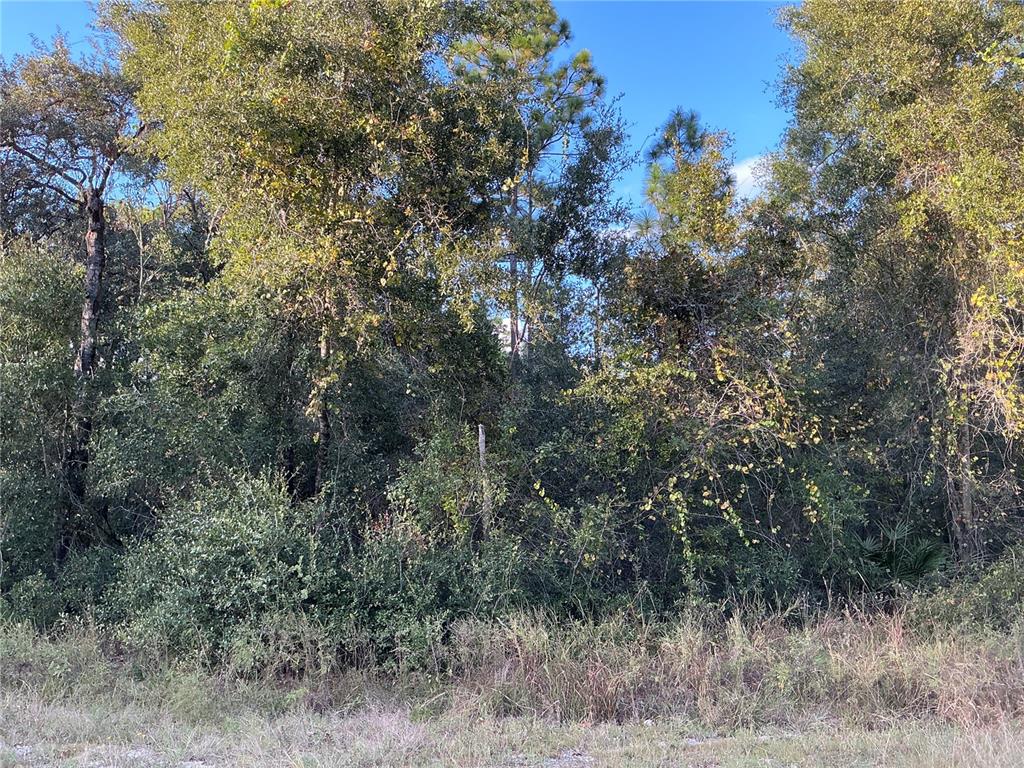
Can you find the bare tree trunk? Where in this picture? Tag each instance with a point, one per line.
(323, 419)
(487, 505)
(513, 310)
(95, 257)
(524, 338)
(76, 459)
(289, 464)
(968, 533)
(526, 321)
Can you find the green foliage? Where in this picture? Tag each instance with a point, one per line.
(34, 599)
(38, 298)
(910, 141)
(343, 240)
(406, 593)
(897, 558)
(991, 596)
(232, 554)
(235, 557)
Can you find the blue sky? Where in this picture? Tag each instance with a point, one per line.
(720, 58)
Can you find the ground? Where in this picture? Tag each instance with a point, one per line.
(35, 731)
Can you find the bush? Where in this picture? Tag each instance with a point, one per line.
(222, 561)
(405, 593)
(992, 597)
(86, 577)
(36, 600)
(41, 600)
(229, 570)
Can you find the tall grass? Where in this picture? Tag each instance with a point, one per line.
(868, 669)
(855, 667)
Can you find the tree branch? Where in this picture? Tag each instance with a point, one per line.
(44, 163)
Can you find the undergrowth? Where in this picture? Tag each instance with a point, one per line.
(868, 669)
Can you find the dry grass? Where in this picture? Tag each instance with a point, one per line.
(849, 690)
(857, 669)
(85, 734)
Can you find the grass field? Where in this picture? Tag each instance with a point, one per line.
(110, 733)
(851, 692)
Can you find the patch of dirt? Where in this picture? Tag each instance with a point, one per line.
(570, 758)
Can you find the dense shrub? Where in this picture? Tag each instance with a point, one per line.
(77, 590)
(405, 594)
(991, 596)
(232, 555)
(36, 600)
(226, 566)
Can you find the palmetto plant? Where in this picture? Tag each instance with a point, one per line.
(897, 556)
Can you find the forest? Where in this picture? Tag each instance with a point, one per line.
(324, 318)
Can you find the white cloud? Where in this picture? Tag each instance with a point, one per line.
(749, 176)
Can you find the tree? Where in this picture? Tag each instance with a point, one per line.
(557, 149)
(343, 163)
(927, 100)
(686, 433)
(69, 124)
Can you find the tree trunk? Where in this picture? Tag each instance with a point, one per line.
(487, 505)
(967, 529)
(513, 309)
(531, 250)
(323, 419)
(95, 256)
(76, 459)
(286, 406)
